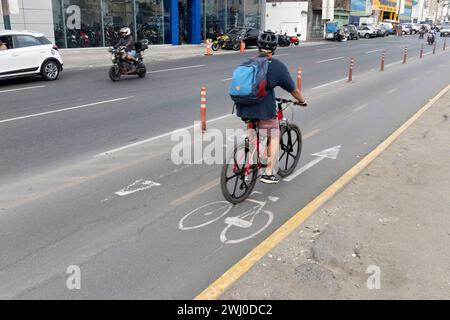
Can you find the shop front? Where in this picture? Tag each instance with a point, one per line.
(96, 23)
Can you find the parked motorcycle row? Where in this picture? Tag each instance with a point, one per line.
(232, 39)
(91, 36)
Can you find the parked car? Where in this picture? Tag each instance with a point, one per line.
(353, 31)
(367, 31)
(415, 28)
(388, 26)
(406, 28)
(445, 30)
(29, 53)
(382, 30)
(248, 35)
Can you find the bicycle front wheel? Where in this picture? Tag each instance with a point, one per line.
(290, 149)
(239, 174)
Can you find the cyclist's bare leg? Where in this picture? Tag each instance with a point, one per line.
(273, 146)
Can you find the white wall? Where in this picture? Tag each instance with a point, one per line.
(34, 15)
(286, 17)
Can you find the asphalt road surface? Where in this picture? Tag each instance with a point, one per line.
(86, 176)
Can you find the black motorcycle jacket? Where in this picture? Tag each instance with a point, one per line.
(127, 42)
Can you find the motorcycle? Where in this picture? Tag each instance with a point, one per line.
(341, 35)
(430, 38)
(284, 40)
(295, 40)
(219, 43)
(122, 65)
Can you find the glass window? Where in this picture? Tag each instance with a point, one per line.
(235, 14)
(117, 14)
(7, 40)
(150, 20)
(77, 23)
(22, 41)
(43, 40)
(252, 14)
(213, 18)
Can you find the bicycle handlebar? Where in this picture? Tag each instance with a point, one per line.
(280, 100)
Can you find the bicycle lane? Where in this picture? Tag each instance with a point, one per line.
(135, 238)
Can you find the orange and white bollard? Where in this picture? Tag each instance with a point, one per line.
(434, 48)
(242, 46)
(445, 42)
(299, 79)
(382, 61)
(209, 51)
(421, 52)
(350, 70)
(203, 108)
(405, 53)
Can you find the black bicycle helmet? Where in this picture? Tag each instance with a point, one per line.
(267, 41)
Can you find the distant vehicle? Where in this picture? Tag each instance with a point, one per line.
(389, 27)
(406, 28)
(445, 30)
(415, 28)
(248, 35)
(367, 32)
(352, 31)
(29, 53)
(382, 30)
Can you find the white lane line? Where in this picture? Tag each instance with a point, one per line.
(394, 63)
(427, 53)
(329, 83)
(138, 185)
(413, 79)
(174, 69)
(20, 89)
(392, 90)
(156, 137)
(282, 54)
(65, 109)
(226, 79)
(326, 49)
(372, 51)
(360, 107)
(332, 59)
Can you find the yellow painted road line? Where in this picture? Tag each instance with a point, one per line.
(218, 287)
(311, 134)
(196, 192)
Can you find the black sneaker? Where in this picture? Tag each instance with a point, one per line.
(269, 179)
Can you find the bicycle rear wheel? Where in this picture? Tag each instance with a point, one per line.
(239, 174)
(290, 149)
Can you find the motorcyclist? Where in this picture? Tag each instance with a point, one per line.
(127, 41)
(431, 36)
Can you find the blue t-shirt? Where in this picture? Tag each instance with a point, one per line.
(277, 76)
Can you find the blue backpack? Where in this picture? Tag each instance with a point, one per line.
(249, 82)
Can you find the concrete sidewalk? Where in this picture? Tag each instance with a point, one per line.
(391, 223)
(100, 57)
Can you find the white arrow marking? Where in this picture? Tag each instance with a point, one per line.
(330, 153)
(138, 185)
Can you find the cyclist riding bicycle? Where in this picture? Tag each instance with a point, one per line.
(266, 110)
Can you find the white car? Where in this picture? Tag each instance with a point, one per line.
(29, 53)
(445, 30)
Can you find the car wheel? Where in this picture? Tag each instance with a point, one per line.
(50, 70)
(367, 36)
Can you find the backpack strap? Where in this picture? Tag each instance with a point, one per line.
(234, 107)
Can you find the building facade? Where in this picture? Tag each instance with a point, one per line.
(373, 11)
(289, 17)
(95, 23)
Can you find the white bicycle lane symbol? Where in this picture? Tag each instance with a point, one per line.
(214, 211)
